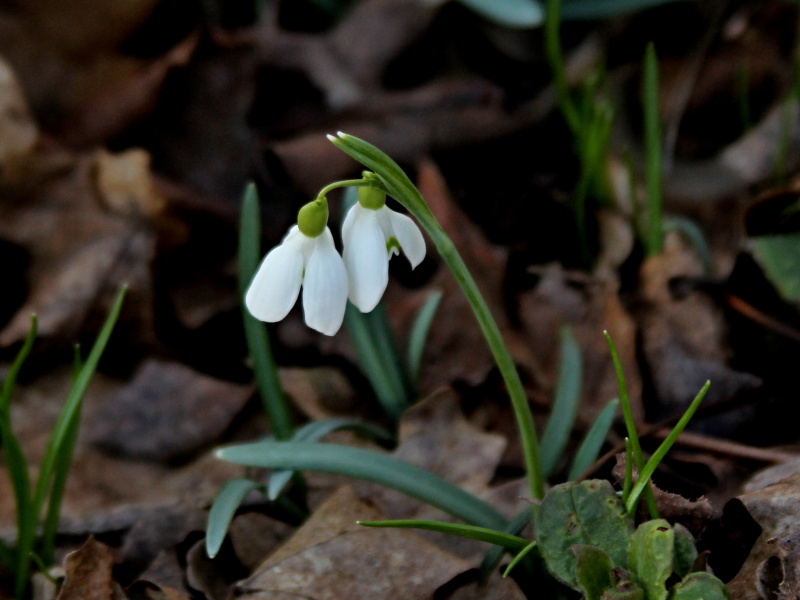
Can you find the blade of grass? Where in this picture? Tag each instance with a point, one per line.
(56, 444)
(630, 423)
(378, 324)
(419, 334)
(258, 344)
(647, 472)
(314, 432)
(224, 508)
(555, 58)
(492, 558)
(652, 147)
(565, 403)
(590, 447)
(482, 534)
(518, 558)
(370, 466)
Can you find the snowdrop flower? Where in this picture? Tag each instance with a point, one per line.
(371, 234)
(307, 257)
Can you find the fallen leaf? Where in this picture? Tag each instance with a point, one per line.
(18, 131)
(88, 573)
(331, 557)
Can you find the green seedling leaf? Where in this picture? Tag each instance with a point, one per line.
(685, 552)
(590, 447)
(700, 586)
(482, 534)
(589, 513)
(625, 591)
(593, 570)
(224, 508)
(779, 257)
(419, 333)
(650, 557)
(314, 432)
(565, 403)
(369, 466)
(259, 348)
(508, 13)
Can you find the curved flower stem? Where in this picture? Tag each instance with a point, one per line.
(346, 183)
(399, 186)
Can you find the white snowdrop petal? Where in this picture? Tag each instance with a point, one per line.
(352, 216)
(275, 287)
(324, 286)
(367, 261)
(409, 237)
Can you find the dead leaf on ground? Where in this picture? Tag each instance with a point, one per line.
(18, 130)
(88, 574)
(772, 570)
(331, 557)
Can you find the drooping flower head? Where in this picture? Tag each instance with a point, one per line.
(306, 257)
(371, 234)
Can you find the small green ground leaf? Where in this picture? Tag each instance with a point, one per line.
(509, 13)
(221, 514)
(700, 586)
(625, 591)
(589, 513)
(685, 553)
(779, 256)
(482, 534)
(592, 570)
(650, 557)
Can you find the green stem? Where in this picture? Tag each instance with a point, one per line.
(556, 59)
(346, 183)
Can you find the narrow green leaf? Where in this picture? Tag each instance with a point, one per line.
(222, 511)
(419, 333)
(565, 404)
(370, 466)
(652, 147)
(265, 370)
(482, 534)
(58, 439)
(647, 472)
(314, 432)
(590, 447)
(555, 59)
(378, 324)
(508, 13)
(13, 372)
(694, 235)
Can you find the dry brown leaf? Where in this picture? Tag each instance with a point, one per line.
(125, 183)
(146, 590)
(18, 131)
(166, 412)
(331, 557)
(88, 573)
(772, 570)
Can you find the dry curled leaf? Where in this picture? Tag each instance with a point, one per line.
(88, 574)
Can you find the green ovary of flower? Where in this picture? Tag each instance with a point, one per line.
(313, 218)
(370, 197)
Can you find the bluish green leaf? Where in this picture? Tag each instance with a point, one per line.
(493, 556)
(589, 449)
(599, 9)
(508, 13)
(314, 432)
(519, 557)
(482, 534)
(565, 404)
(259, 347)
(419, 333)
(222, 511)
(370, 466)
(779, 256)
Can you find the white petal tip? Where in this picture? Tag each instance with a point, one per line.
(342, 134)
(332, 138)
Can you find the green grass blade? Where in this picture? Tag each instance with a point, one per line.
(652, 147)
(492, 558)
(264, 369)
(630, 423)
(381, 331)
(518, 558)
(222, 511)
(565, 403)
(58, 439)
(590, 447)
(314, 432)
(646, 473)
(13, 372)
(419, 334)
(482, 534)
(370, 466)
(555, 58)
